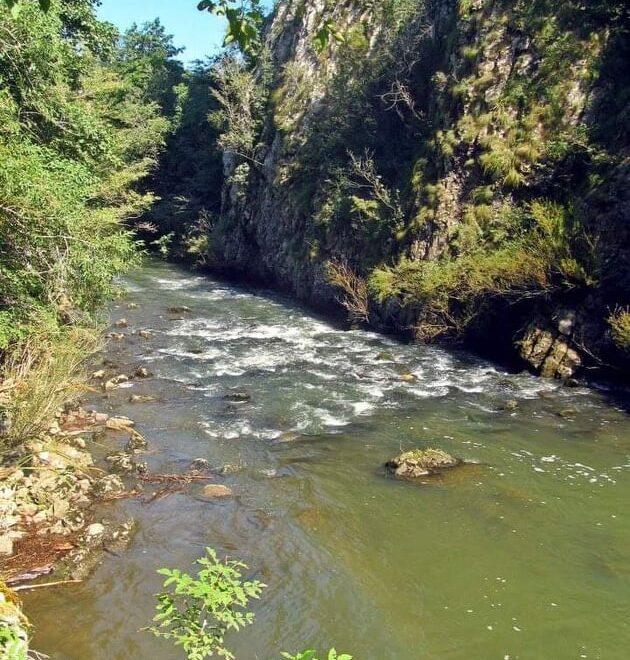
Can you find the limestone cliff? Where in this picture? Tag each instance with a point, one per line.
(447, 170)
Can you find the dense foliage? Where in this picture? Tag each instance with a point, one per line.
(79, 128)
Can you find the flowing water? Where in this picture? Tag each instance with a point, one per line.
(525, 553)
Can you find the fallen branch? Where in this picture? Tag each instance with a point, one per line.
(28, 587)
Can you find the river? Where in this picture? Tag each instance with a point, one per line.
(525, 553)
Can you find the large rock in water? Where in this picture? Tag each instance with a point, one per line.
(421, 463)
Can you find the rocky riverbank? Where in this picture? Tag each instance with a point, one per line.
(49, 489)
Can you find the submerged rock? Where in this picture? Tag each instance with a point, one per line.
(217, 490)
(421, 463)
(181, 309)
(200, 464)
(287, 436)
(510, 405)
(231, 468)
(141, 398)
(97, 539)
(142, 372)
(238, 396)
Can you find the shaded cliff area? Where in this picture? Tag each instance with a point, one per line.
(448, 171)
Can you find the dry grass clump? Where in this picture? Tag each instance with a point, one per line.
(39, 375)
(354, 288)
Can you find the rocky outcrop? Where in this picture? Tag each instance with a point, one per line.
(424, 137)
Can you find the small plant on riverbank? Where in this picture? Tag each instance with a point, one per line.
(196, 612)
(13, 635)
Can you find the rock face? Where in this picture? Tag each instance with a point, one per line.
(425, 138)
(421, 463)
(415, 102)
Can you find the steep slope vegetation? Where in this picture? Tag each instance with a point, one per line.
(447, 170)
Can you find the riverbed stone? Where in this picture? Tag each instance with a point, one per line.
(119, 424)
(142, 372)
(286, 437)
(231, 468)
(200, 464)
(217, 491)
(113, 383)
(141, 398)
(137, 442)
(238, 396)
(121, 462)
(421, 463)
(109, 485)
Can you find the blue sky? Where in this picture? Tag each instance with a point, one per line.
(200, 32)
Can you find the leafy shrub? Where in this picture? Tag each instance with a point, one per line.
(197, 611)
(13, 627)
(619, 322)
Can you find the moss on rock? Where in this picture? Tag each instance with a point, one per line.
(421, 463)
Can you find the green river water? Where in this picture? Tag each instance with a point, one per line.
(523, 554)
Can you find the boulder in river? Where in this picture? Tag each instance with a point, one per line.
(238, 396)
(180, 309)
(421, 463)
